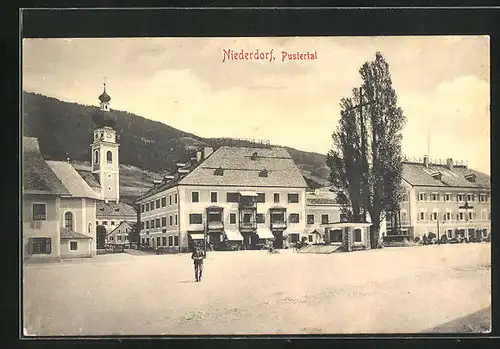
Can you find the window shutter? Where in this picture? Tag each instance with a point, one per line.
(48, 246)
(30, 246)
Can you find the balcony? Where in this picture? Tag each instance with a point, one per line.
(214, 220)
(248, 226)
(215, 226)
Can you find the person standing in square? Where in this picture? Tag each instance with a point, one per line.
(198, 256)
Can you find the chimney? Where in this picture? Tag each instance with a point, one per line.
(207, 151)
(449, 163)
(199, 155)
(426, 161)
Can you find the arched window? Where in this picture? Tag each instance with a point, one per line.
(68, 220)
(96, 157)
(90, 227)
(109, 157)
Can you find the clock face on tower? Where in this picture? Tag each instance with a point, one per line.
(108, 135)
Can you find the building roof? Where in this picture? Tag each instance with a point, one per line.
(89, 177)
(239, 169)
(38, 177)
(124, 224)
(321, 196)
(72, 180)
(70, 234)
(114, 209)
(104, 97)
(418, 175)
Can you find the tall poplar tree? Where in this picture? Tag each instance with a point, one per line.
(369, 180)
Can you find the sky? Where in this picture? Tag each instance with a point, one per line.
(442, 83)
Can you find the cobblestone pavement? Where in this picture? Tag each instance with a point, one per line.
(393, 290)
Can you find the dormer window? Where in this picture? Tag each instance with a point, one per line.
(437, 175)
(254, 156)
(263, 173)
(471, 177)
(219, 171)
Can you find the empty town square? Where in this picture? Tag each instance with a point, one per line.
(401, 289)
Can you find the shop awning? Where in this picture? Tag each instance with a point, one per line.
(196, 236)
(264, 233)
(337, 225)
(248, 193)
(233, 235)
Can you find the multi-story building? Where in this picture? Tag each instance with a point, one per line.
(120, 235)
(241, 195)
(443, 197)
(59, 208)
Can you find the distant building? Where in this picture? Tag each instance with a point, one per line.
(443, 198)
(120, 235)
(241, 196)
(325, 222)
(58, 208)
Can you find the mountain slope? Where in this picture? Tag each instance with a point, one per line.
(65, 130)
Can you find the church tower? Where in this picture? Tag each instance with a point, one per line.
(104, 155)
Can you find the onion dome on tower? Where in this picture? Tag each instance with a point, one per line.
(104, 97)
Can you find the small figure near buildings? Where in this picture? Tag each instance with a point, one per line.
(197, 257)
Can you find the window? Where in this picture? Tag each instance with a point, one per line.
(176, 240)
(460, 216)
(39, 246)
(247, 217)
(213, 196)
(336, 235)
(158, 241)
(112, 222)
(310, 238)
(170, 220)
(143, 240)
(325, 219)
(157, 222)
(170, 199)
(152, 224)
(219, 172)
(343, 217)
(470, 197)
(422, 216)
(142, 225)
(175, 198)
(195, 218)
(276, 198)
(434, 197)
(261, 197)
(447, 216)
(119, 238)
(460, 197)
(310, 219)
(164, 241)
(471, 215)
(232, 197)
(264, 173)
(357, 235)
(293, 198)
(294, 238)
(404, 198)
(434, 216)
(163, 221)
(261, 218)
(447, 197)
(90, 227)
(158, 203)
(195, 196)
(232, 218)
(277, 217)
(142, 208)
(170, 240)
(109, 157)
(163, 202)
(39, 212)
(68, 220)
(147, 224)
(421, 196)
(147, 206)
(175, 219)
(96, 157)
(104, 222)
(294, 218)
(111, 238)
(73, 245)
(152, 205)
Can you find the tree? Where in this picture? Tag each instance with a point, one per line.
(369, 179)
